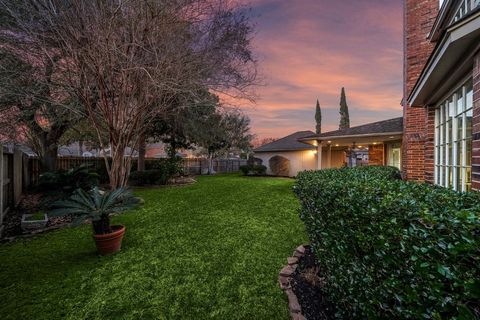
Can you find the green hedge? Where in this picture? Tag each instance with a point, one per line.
(392, 249)
(253, 170)
(157, 172)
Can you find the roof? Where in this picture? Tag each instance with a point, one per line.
(381, 127)
(288, 143)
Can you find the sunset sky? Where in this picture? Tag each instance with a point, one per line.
(309, 49)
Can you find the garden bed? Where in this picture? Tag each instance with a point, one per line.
(307, 284)
(31, 203)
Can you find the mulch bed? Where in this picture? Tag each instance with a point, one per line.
(31, 202)
(307, 285)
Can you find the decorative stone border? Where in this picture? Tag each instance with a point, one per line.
(285, 277)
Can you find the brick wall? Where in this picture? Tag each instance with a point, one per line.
(419, 16)
(376, 155)
(476, 124)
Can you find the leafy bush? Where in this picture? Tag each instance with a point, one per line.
(158, 172)
(253, 170)
(148, 177)
(392, 249)
(81, 177)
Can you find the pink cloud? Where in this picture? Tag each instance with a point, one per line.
(309, 49)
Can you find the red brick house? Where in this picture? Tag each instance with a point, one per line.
(441, 139)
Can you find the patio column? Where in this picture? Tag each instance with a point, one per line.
(319, 155)
(329, 156)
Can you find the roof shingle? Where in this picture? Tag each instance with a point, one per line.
(381, 127)
(288, 143)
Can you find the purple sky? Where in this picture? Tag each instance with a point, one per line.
(309, 49)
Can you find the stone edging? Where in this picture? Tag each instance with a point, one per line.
(285, 277)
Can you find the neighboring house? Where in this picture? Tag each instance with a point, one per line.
(296, 155)
(377, 143)
(442, 93)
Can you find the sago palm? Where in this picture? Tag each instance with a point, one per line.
(96, 206)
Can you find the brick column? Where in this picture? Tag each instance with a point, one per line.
(476, 125)
(376, 155)
(419, 16)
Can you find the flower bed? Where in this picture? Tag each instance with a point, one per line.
(390, 248)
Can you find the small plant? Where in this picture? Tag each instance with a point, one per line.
(30, 222)
(96, 206)
(40, 215)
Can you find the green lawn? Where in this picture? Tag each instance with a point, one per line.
(207, 251)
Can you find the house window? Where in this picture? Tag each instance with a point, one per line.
(453, 140)
(464, 8)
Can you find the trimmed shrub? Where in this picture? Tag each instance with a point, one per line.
(158, 172)
(392, 249)
(66, 181)
(253, 170)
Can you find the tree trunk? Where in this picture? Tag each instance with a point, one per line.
(50, 158)
(120, 166)
(80, 148)
(49, 151)
(141, 153)
(210, 164)
(102, 226)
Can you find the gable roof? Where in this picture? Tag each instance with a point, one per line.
(288, 143)
(389, 126)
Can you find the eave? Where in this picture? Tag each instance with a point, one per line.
(347, 140)
(451, 60)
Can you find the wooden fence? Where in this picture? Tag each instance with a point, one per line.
(191, 166)
(19, 172)
(11, 180)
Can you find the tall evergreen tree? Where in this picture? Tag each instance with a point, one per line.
(344, 116)
(318, 118)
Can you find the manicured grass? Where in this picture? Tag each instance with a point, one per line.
(207, 251)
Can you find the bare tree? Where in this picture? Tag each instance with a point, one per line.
(126, 60)
(33, 101)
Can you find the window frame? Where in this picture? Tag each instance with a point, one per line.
(452, 146)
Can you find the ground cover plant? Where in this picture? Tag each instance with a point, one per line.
(211, 250)
(392, 249)
(253, 170)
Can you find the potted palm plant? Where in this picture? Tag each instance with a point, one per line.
(98, 206)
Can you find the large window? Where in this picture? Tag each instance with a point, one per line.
(453, 140)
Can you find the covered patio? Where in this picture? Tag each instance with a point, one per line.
(377, 143)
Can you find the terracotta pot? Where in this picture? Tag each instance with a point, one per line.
(111, 242)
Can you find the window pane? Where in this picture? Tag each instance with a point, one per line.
(469, 152)
(460, 153)
(469, 98)
(459, 127)
(460, 102)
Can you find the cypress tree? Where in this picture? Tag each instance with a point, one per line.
(318, 118)
(344, 116)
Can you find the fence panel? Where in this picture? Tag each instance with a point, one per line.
(7, 199)
(191, 166)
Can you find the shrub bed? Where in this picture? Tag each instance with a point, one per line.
(253, 170)
(392, 249)
(158, 172)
